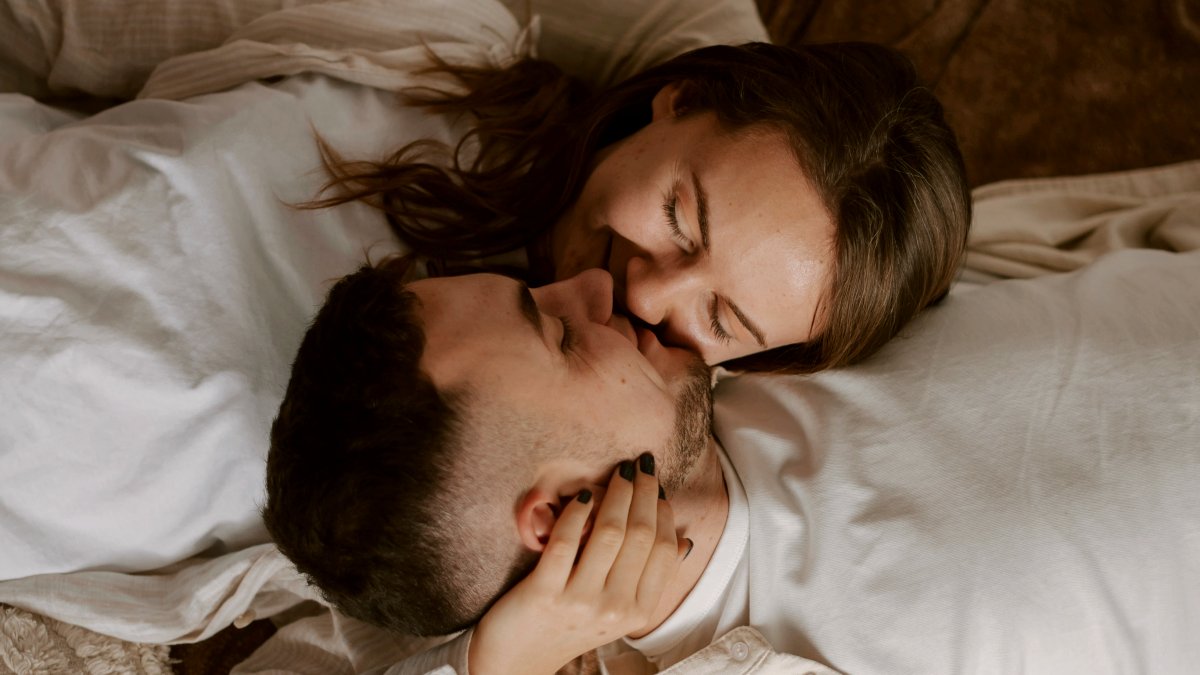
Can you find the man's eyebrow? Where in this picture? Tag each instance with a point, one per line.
(701, 210)
(529, 309)
(754, 330)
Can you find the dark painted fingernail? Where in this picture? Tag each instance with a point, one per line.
(662, 494)
(646, 463)
(584, 496)
(691, 545)
(626, 470)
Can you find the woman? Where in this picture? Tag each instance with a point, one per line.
(770, 208)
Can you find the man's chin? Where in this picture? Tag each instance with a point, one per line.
(693, 422)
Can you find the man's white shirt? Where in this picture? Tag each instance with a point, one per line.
(720, 600)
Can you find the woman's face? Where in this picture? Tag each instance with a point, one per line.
(718, 240)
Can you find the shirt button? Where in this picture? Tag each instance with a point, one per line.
(740, 651)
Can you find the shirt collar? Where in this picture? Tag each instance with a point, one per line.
(710, 589)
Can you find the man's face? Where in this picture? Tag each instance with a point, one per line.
(559, 354)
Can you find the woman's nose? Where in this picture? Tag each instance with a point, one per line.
(587, 295)
(660, 296)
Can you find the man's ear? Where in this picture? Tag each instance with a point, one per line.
(536, 515)
(668, 102)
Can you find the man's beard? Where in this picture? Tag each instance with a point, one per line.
(693, 427)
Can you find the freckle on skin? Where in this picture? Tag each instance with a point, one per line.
(622, 380)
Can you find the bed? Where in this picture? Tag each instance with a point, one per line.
(188, 356)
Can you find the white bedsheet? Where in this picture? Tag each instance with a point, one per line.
(153, 287)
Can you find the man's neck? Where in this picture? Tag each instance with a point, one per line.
(701, 508)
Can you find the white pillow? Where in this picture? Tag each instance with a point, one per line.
(606, 42)
(87, 47)
(1009, 486)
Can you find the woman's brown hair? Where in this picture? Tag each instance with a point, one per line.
(871, 138)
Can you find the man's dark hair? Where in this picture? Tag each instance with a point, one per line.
(367, 485)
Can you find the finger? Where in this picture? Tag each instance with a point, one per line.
(664, 562)
(608, 532)
(554, 567)
(640, 533)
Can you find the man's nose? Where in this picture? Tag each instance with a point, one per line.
(660, 296)
(587, 295)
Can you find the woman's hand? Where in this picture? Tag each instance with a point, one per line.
(566, 608)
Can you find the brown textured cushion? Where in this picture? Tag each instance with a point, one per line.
(1036, 88)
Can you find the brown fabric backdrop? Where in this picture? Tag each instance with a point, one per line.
(1036, 87)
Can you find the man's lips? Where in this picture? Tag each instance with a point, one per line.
(643, 338)
(622, 325)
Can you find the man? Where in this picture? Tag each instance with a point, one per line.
(418, 415)
(908, 515)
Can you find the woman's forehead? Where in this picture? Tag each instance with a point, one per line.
(773, 239)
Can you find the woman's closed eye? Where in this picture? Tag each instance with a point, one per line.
(714, 314)
(671, 210)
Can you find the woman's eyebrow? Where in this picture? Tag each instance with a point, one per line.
(701, 210)
(750, 326)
